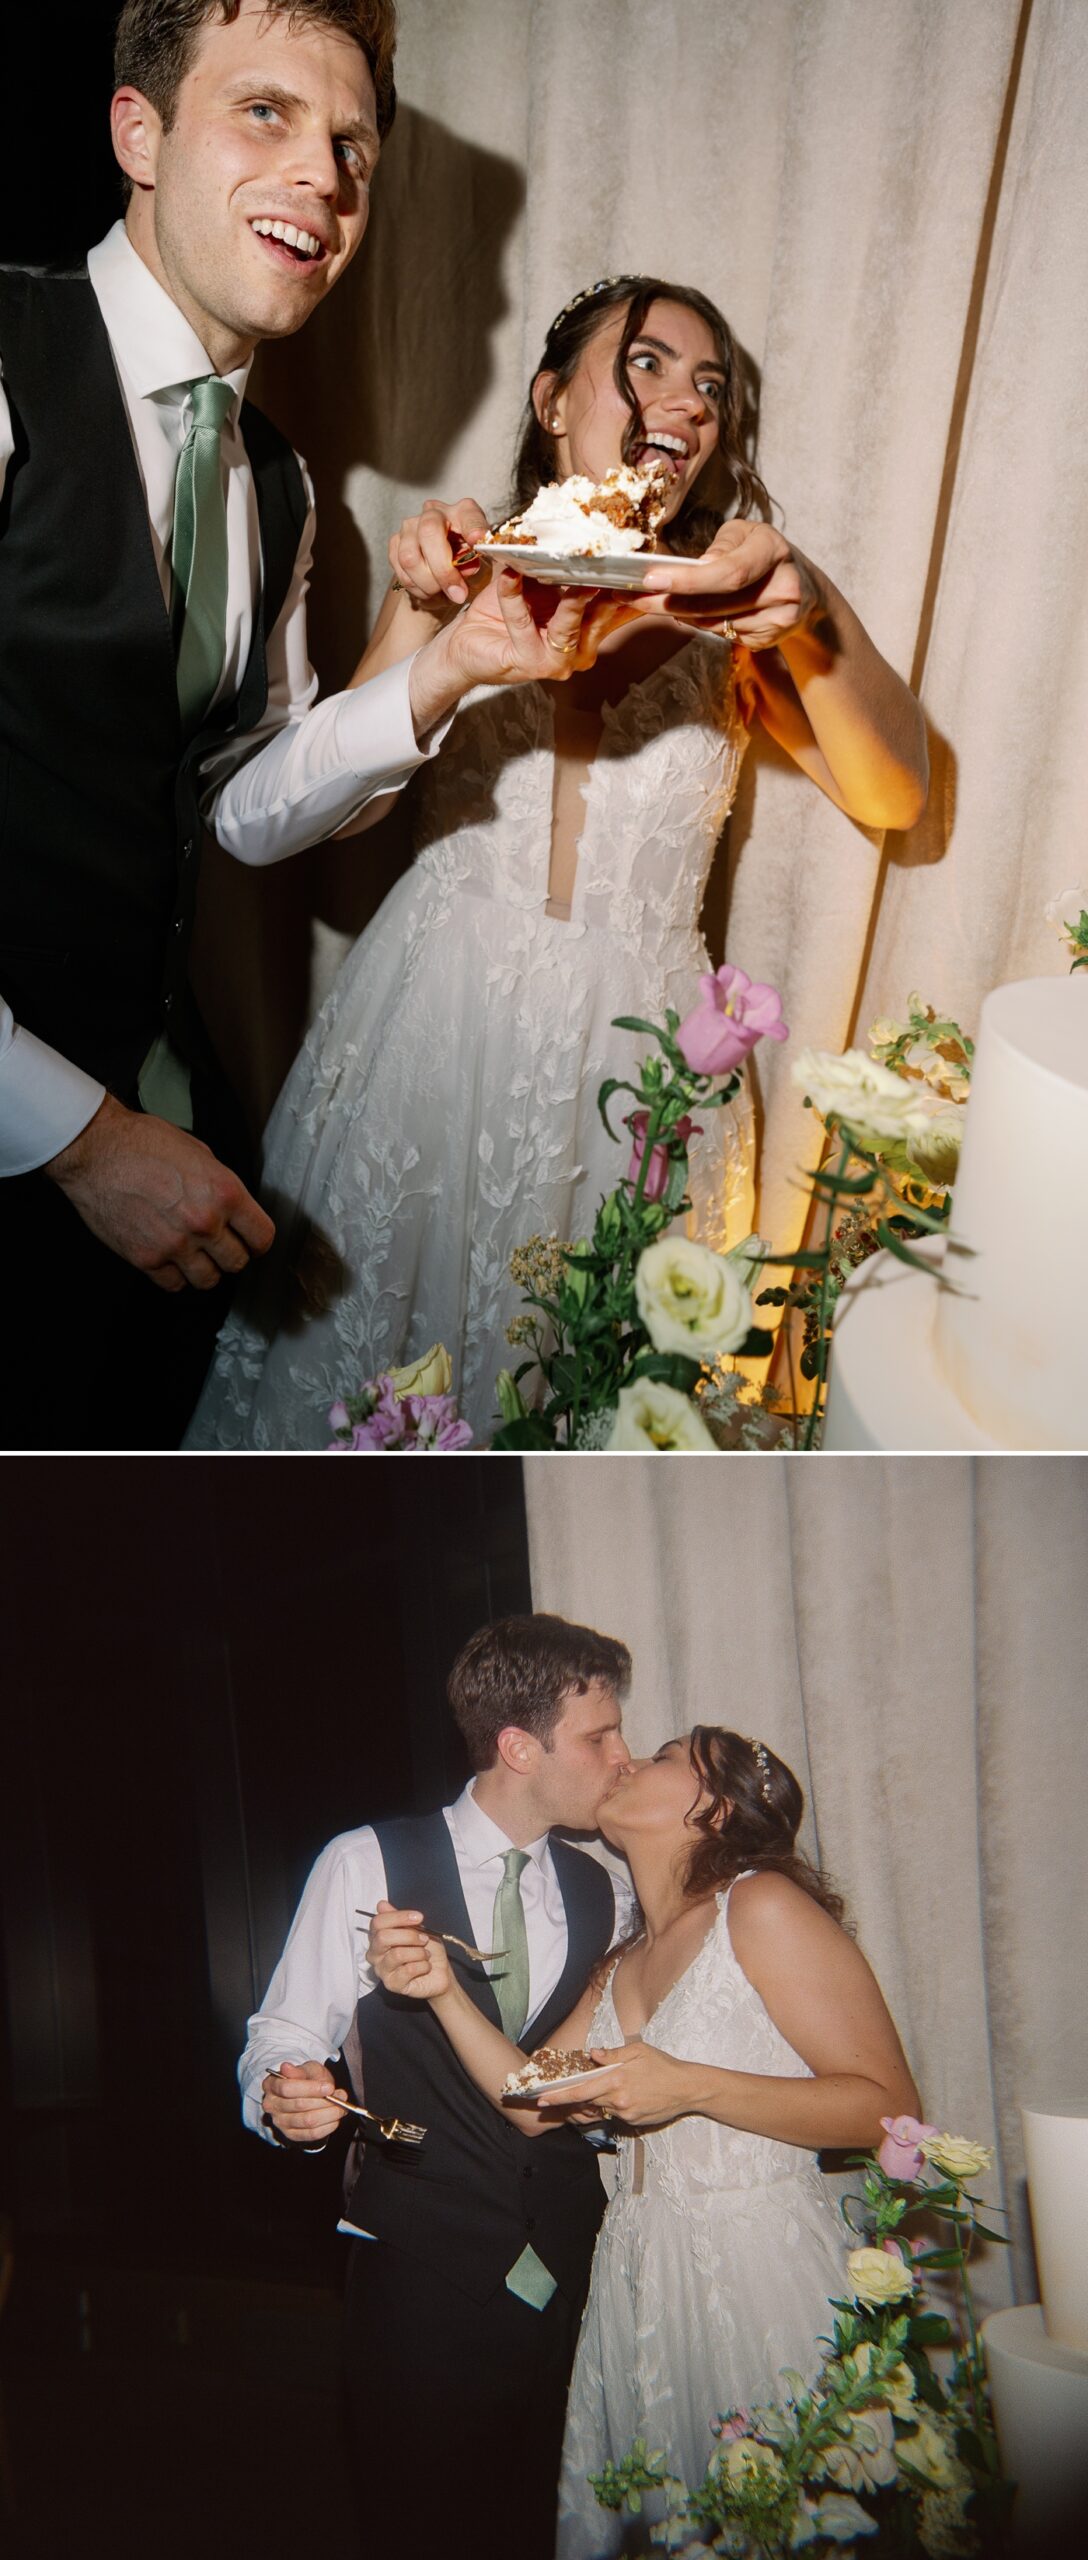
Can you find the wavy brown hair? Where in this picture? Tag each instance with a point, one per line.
(521, 1670)
(743, 492)
(752, 1819)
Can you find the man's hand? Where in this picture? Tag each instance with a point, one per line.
(749, 576)
(513, 632)
(295, 2099)
(421, 553)
(404, 1958)
(160, 1199)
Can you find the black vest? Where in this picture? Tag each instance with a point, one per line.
(477, 2191)
(99, 823)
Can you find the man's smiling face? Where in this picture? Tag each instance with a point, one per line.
(275, 125)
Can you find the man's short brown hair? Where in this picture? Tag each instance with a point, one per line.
(520, 1671)
(155, 40)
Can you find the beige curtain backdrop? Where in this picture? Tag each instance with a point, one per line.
(889, 198)
(911, 1635)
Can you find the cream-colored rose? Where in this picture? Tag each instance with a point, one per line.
(652, 1416)
(876, 2277)
(430, 1375)
(747, 2459)
(871, 1100)
(957, 2158)
(931, 2451)
(690, 1299)
(897, 2387)
(933, 1131)
(865, 2459)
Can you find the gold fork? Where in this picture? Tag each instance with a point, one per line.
(391, 2126)
(480, 1955)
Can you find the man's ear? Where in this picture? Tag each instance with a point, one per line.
(516, 1749)
(137, 132)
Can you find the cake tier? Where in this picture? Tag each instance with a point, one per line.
(1056, 2158)
(1013, 1345)
(887, 1390)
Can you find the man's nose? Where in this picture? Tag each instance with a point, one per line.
(313, 164)
(621, 1756)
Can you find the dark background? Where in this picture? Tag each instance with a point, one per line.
(209, 1668)
(59, 186)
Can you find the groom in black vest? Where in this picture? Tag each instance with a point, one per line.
(470, 2255)
(155, 543)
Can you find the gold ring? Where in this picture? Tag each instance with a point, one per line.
(728, 632)
(562, 648)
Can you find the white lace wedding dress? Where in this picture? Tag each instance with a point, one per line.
(443, 1108)
(715, 2264)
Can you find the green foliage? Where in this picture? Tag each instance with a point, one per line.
(768, 2489)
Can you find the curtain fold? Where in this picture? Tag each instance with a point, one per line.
(910, 1634)
(889, 199)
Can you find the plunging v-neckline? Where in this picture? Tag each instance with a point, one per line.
(562, 910)
(682, 1976)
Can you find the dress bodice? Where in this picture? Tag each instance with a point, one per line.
(712, 2014)
(657, 795)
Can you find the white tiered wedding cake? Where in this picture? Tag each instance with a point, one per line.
(999, 1360)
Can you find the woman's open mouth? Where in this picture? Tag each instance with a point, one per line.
(664, 448)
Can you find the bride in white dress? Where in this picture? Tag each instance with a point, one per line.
(753, 2034)
(443, 1108)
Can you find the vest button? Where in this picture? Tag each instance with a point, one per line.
(166, 1003)
(178, 922)
(526, 2173)
(187, 849)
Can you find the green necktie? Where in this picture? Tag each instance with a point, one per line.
(199, 551)
(511, 1983)
(529, 2278)
(198, 556)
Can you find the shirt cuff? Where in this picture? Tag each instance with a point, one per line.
(44, 1102)
(384, 700)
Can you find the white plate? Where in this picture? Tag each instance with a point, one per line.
(574, 569)
(570, 2080)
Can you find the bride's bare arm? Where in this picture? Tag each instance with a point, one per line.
(823, 1998)
(417, 1967)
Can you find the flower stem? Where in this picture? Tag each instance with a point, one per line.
(821, 1313)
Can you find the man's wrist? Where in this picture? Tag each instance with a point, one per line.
(71, 1160)
(435, 682)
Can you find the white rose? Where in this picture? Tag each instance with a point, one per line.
(748, 2460)
(430, 1375)
(690, 1299)
(956, 2158)
(876, 2277)
(933, 1130)
(865, 2459)
(931, 2451)
(652, 1416)
(840, 2519)
(868, 1097)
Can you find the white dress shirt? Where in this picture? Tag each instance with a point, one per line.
(323, 1972)
(307, 767)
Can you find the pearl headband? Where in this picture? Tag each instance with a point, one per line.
(759, 1755)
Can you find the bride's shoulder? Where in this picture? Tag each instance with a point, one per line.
(762, 1905)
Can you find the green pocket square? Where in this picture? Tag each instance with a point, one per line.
(530, 2280)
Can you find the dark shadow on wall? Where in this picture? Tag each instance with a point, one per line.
(385, 378)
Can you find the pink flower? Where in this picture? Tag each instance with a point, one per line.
(339, 1417)
(731, 1015)
(900, 2155)
(657, 1171)
(438, 1426)
(729, 2429)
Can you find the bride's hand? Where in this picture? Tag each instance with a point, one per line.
(641, 2087)
(404, 1958)
(750, 577)
(421, 554)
